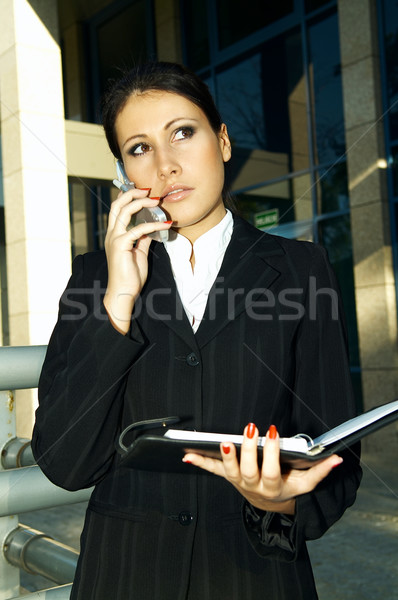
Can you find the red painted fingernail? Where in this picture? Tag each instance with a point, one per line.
(337, 464)
(154, 197)
(226, 449)
(144, 189)
(167, 222)
(251, 430)
(185, 460)
(272, 432)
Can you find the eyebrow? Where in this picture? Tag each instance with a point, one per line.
(167, 126)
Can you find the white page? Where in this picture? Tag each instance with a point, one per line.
(341, 431)
(298, 444)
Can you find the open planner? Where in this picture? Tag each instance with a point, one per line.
(163, 448)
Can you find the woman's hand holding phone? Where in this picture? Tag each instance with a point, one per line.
(127, 254)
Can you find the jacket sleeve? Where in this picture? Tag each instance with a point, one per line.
(81, 387)
(322, 399)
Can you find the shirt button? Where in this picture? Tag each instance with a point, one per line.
(185, 518)
(192, 360)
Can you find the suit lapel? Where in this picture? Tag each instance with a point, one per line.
(244, 276)
(160, 295)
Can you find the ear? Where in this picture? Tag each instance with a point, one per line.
(225, 144)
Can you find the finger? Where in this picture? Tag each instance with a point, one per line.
(130, 240)
(122, 218)
(144, 229)
(230, 461)
(271, 470)
(248, 455)
(212, 465)
(271, 452)
(315, 474)
(126, 197)
(131, 199)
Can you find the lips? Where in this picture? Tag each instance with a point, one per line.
(175, 193)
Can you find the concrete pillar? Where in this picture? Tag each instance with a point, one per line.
(374, 276)
(34, 170)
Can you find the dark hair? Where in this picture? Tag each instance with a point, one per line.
(163, 76)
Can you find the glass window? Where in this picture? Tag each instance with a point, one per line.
(263, 102)
(311, 5)
(326, 90)
(89, 207)
(332, 189)
(122, 40)
(236, 21)
(335, 236)
(195, 34)
(391, 53)
(395, 212)
(283, 207)
(119, 36)
(394, 156)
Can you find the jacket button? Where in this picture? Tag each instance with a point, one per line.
(185, 518)
(192, 360)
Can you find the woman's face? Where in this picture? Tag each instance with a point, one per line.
(168, 145)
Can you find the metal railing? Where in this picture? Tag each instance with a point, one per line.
(24, 488)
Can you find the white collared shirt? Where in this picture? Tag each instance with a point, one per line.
(209, 249)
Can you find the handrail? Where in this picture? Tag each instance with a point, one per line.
(58, 593)
(20, 366)
(26, 488)
(17, 452)
(42, 493)
(39, 554)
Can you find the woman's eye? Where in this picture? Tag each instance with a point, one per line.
(183, 133)
(139, 149)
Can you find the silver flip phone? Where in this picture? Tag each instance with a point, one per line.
(146, 215)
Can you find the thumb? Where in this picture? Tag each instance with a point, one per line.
(321, 470)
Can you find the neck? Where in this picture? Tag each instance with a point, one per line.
(196, 230)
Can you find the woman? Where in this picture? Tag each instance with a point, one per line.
(223, 325)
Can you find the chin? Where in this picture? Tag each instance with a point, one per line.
(182, 223)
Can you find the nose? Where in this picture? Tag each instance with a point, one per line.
(168, 163)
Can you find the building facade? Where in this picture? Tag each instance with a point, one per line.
(309, 91)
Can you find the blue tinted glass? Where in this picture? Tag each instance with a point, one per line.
(335, 236)
(195, 34)
(311, 5)
(240, 100)
(89, 208)
(262, 99)
(391, 53)
(326, 88)
(236, 21)
(284, 207)
(394, 154)
(117, 46)
(332, 189)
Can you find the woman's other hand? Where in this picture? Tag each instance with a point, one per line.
(127, 255)
(266, 488)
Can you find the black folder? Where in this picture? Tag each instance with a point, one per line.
(158, 447)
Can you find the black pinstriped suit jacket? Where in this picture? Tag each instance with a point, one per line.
(269, 350)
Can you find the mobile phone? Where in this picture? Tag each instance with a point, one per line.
(145, 215)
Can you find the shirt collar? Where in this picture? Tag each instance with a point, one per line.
(212, 242)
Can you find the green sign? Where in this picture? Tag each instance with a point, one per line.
(267, 218)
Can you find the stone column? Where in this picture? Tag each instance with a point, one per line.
(370, 223)
(34, 170)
